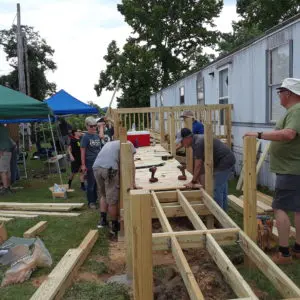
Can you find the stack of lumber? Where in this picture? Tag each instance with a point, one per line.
(62, 275)
(10, 210)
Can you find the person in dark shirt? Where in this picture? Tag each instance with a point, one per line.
(90, 146)
(65, 129)
(75, 156)
(105, 130)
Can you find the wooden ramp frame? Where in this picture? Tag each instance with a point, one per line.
(141, 204)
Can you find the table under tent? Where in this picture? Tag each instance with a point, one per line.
(16, 107)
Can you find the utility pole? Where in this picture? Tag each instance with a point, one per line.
(26, 64)
(20, 50)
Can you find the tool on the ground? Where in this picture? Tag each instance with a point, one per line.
(166, 157)
(153, 170)
(264, 231)
(183, 176)
(150, 166)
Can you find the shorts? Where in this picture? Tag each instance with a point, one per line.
(5, 158)
(75, 166)
(109, 188)
(287, 193)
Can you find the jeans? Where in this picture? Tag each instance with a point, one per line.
(221, 187)
(91, 190)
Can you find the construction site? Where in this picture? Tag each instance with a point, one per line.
(174, 241)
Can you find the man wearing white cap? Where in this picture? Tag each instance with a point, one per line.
(285, 162)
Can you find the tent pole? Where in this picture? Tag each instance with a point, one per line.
(57, 162)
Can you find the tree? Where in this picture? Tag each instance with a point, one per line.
(39, 61)
(168, 41)
(257, 16)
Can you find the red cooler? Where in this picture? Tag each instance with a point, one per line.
(139, 138)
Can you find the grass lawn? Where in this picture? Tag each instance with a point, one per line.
(63, 233)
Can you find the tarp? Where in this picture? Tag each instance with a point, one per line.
(63, 103)
(16, 105)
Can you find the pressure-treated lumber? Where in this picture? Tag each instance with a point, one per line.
(241, 178)
(61, 276)
(262, 157)
(281, 281)
(40, 206)
(141, 244)
(232, 276)
(5, 220)
(40, 213)
(24, 215)
(188, 123)
(264, 198)
(183, 266)
(126, 185)
(265, 207)
(171, 196)
(172, 134)
(35, 230)
(194, 239)
(250, 207)
(238, 204)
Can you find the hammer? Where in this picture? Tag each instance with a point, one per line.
(183, 176)
(153, 170)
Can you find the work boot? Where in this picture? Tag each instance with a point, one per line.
(280, 259)
(102, 223)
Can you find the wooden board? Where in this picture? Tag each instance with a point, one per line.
(40, 213)
(40, 206)
(33, 231)
(238, 204)
(5, 220)
(167, 175)
(25, 216)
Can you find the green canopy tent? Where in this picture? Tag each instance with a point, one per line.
(16, 107)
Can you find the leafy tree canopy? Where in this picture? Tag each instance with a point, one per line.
(39, 61)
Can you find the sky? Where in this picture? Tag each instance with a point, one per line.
(80, 32)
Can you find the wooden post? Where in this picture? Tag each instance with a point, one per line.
(141, 221)
(209, 167)
(188, 123)
(162, 126)
(123, 135)
(125, 121)
(172, 134)
(116, 118)
(130, 120)
(143, 121)
(126, 166)
(139, 121)
(250, 223)
(153, 121)
(148, 123)
(228, 127)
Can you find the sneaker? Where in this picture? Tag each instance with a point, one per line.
(92, 206)
(102, 224)
(279, 259)
(83, 188)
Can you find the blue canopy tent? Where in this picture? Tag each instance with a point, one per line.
(62, 103)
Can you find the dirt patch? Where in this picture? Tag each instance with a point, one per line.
(36, 282)
(91, 277)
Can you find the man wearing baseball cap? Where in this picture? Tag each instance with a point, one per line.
(224, 161)
(285, 163)
(198, 127)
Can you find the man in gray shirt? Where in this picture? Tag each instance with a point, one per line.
(106, 170)
(223, 160)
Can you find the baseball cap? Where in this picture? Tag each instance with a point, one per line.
(90, 121)
(187, 114)
(291, 84)
(185, 132)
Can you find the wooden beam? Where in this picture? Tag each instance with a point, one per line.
(228, 126)
(241, 178)
(188, 123)
(35, 230)
(264, 198)
(142, 244)
(238, 205)
(162, 126)
(40, 213)
(219, 213)
(250, 207)
(172, 134)
(153, 121)
(61, 276)
(262, 157)
(123, 135)
(5, 220)
(232, 276)
(280, 280)
(126, 168)
(185, 271)
(171, 196)
(24, 215)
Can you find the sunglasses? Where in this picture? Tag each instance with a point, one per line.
(92, 126)
(281, 91)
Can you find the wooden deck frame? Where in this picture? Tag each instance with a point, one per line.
(201, 237)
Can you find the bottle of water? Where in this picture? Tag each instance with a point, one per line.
(133, 127)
